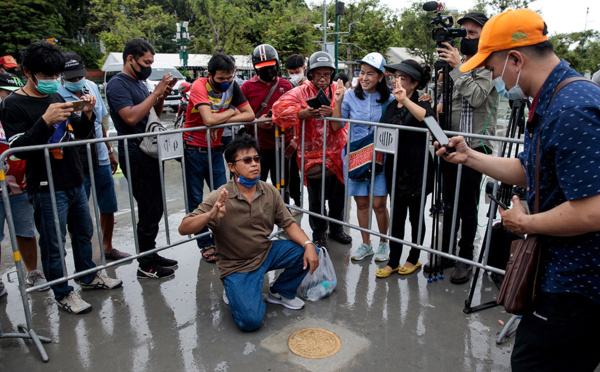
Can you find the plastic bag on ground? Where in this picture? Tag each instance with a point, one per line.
(322, 282)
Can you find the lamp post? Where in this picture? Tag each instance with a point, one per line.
(183, 35)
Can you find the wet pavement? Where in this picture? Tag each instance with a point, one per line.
(181, 324)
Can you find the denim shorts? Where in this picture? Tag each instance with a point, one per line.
(363, 188)
(105, 189)
(22, 212)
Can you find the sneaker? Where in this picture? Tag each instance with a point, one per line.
(383, 252)
(461, 273)
(363, 251)
(446, 263)
(225, 299)
(155, 272)
(2, 288)
(34, 278)
(164, 262)
(275, 298)
(74, 304)
(101, 281)
(116, 254)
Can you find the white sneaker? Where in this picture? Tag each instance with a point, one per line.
(35, 278)
(363, 251)
(225, 299)
(74, 304)
(383, 252)
(101, 281)
(294, 303)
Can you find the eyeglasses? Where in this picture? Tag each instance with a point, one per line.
(322, 76)
(248, 160)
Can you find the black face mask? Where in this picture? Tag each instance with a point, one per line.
(267, 74)
(468, 47)
(143, 73)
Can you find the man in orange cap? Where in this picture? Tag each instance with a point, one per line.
(8, 64)
(557, 335)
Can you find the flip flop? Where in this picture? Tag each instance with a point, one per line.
(209, 257)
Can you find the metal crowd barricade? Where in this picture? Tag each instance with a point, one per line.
(171, 147)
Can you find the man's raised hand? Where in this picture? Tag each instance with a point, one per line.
(218, 210)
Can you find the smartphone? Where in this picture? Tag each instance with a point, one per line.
(270, 114)
(492, 197)
(438, 133)
(314, 103)
(78, 105)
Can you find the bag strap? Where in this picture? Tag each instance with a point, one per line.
(265, 103)
(560, 85)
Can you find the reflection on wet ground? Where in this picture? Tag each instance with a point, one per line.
(182, 324)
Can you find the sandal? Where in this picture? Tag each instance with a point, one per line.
(209, 257)
(405, 270)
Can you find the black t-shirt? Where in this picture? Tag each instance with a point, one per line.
(411, 151)
(21, 117)
(124, 91)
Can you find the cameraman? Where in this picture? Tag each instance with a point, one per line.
(473, 101)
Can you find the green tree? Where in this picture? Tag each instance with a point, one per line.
(220, 26)
(415, 33)
(580, 49)
(26, 21)
(118, 21)
(499, 6)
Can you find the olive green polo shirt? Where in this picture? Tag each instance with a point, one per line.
(242, 235)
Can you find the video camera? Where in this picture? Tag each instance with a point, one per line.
(446, 33)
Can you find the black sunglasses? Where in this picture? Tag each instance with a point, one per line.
(248, 160)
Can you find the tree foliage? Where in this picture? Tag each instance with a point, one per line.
(118, 21)
(499, 6)
(415, 33)
(580, 49)
(27, 21)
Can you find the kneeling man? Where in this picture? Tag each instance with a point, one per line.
(242, 214)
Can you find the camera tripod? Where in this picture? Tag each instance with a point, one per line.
(503, 192)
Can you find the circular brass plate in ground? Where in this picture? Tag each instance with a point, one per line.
(314, 343)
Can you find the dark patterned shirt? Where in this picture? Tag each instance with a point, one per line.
(569, 170)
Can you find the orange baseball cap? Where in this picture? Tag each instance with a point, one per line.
(8, 61)
(511, 29)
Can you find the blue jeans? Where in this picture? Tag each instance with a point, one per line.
(244, 290)
(196, 172)
(105, 189)
(74, 214)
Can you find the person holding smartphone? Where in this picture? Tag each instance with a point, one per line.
(130, 103)
(407, 110)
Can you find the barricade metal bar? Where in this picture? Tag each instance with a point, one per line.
(283, 169)
(423, 189)
(95, 200)
(302, 160)
(161, 171)
(393, 191)
(184, 179)
(371, 193)
(211, 183)
(454, 210)
(130, 190)
(55, 210)
(323, 167)
(347, 172)
(277, 161)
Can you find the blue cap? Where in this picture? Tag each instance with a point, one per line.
(374, 59)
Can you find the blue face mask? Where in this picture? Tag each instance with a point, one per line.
(222, 87)
(247, 182)
(515, 93)
(75, 87)
(48, 86)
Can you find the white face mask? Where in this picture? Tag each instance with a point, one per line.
(296, 78)
(515, 93)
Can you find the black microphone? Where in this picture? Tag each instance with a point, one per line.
(431, 6)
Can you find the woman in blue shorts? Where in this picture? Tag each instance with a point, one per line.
(367, 102)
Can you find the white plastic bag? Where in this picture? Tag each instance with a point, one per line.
(322, 282)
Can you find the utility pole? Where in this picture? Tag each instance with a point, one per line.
(183, 35)
(339, 10)
(324, 25)
(584, 33)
